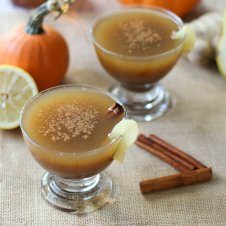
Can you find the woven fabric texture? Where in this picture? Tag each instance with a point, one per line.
(196, 123)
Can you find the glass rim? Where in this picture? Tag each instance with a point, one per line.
(61, 153)
(136, 7)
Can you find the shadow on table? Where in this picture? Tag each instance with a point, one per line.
(14, 134)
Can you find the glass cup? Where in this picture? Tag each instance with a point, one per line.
(138, 76)
(75, 181)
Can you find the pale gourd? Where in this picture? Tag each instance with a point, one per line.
(221, 49)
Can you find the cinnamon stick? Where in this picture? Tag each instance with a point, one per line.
(176, 180)
(143, 143)
(176, 151)
(165, 152)
(115, 110)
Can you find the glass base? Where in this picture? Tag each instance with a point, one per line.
(144, 106)
(79, 196)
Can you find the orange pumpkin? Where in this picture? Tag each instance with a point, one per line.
(27, 3)
(180, 7)
(41, 51)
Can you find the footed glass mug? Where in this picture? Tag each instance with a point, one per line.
(138, 72)
(74, 180)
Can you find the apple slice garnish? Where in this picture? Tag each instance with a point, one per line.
(128, 130)
(186, 33)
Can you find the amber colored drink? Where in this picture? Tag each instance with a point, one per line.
(135, 45)
(68, 131)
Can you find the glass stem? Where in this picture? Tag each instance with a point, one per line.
(76, 185)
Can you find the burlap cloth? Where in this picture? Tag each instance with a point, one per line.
(196, 123)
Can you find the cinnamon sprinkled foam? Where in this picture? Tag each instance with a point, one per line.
(137, 36)
(68, 121)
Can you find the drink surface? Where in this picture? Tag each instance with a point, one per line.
(70, 120)
(136, 33)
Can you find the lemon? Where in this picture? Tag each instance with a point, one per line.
(128, 130)
(221, 49)
(16, 87)
(188, 35)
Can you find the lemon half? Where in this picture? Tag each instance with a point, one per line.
(16, 88)
(128, 130)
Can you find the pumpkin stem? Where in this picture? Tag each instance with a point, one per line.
(35, 23)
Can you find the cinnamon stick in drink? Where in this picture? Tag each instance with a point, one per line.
(115, 110)
(144, 143)
(176, 180)
(176, 151)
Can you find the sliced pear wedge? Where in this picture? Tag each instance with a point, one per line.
(221, 49)
(188, 35)
(128, 130)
